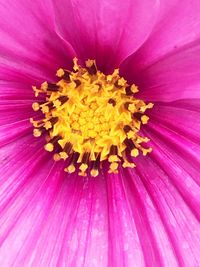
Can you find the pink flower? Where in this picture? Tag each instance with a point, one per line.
(146, 216)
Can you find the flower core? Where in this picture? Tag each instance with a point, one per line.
(90, 118)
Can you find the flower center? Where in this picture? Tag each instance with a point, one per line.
(90, 118)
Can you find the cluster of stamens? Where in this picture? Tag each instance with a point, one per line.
(90, 118)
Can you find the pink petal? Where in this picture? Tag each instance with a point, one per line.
(124, 243)
(13, 90)
(29, 44)
(108, 31)
(143, 216)
(178, 24)
(52, 215)
(13, 131)
(13, 111)
(147, 217)
(178, 216)
(174, 77)
(15, 120)
(180, 116)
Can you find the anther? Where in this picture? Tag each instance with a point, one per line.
(126, 105)
(91, 67)
(113, 154)
(52, 87)
(66, 151)
(95, 167)
(36, 106)
(63, 99)
(67, 148)
(118, 85)
(144, 119)
(49, 87)
(127, 128)
(77, 82)
(128, 91)
(53, 120)
(56, 157)
(137, 115)
(134, 152)
(38, 132)
(50, 145)
(47, 107)
(82, 169)
(84, 163)
(94, 172)
(127, 164)
(131, 146)
(71, 168)
(64, 74)
(129, 131)
(145, 151)
(112, 101)
(129, 143)
(113, 167)
(50, 123)
(38, 124)
(85, 157)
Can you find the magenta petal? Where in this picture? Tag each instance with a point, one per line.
(148, 216)
(180, 116)
(58, 220)
(137, 216)
(124, 243)
(178, 158)
(174, 77)
(29, 44)
(62, 220)
(167, 185)
(13, 111)
(13, 131)
(178, 24)
(107, 30)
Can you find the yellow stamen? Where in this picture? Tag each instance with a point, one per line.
(44, 86)
(113, 158)
(37, 133)
(113, 167)
(134, 88)
(128, 164)
(94, 173)
(70, 169)
(63, 155)
(49, 147)
(56, 157)
(83, 167)
(144, 119)
(90, 118)
(134, 152)
(60, 72)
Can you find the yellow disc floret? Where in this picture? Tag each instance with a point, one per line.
(90, 117)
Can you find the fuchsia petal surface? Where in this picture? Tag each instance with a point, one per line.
(182, 116)
(178, 24)
(107, 30)
(68, 212)
(29, 44)
(146, 217)
(176, 76)
(138, 216)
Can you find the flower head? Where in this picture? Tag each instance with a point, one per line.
(112, 80)
(91, 118)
